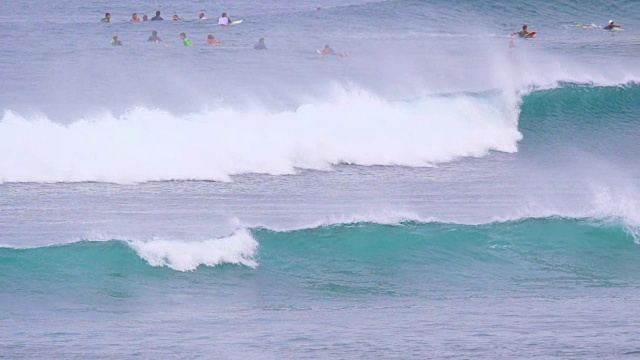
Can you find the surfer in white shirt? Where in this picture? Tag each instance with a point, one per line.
(224, 20)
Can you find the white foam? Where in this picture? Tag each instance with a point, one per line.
(353, 127)
(238, 249)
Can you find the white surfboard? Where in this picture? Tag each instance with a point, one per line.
(236, 22)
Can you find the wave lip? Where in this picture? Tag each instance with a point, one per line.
(238, 248)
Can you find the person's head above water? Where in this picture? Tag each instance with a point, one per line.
(183, 36)
(154, 33)
(201, 16)
(224, 14)
(176, 17)
(107, 15)
(610, 22)
(158, 13)
(525, 27)
(145, 18)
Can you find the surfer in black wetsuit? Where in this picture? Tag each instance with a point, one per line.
(154, 37)
(611, 26)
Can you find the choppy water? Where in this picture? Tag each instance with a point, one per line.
(436, 194)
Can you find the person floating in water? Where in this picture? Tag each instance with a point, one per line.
(184, 39)
(211, 40)
(157, 17)
(224, 19)
(328, 51)
(612, 26)
(522, 33)
(115, 41)
(154, 37)
(134, 18)
(201, 16)
(176, 17)
(107, 18)
(260, 45)
(145, 18)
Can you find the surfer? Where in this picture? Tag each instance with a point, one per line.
(107, 18)
(211, 40)
(145, 18)
(157, 17)
(134, 18)
(184, 39)
(612, 26)
(522, 33)
(224, 19)
(154, 37)
(115, 41)
(201, 16)
(176, 17)
(260, 45)
(328, 51)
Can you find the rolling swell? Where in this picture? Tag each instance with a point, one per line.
(530, 252)
(581, 109)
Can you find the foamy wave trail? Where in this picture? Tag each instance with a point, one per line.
(355, 127)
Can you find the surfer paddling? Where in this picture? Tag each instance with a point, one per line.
(524, 33)
(612, 26)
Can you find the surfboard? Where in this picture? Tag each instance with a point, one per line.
(616, 29)
(236, 22)
(530, 35)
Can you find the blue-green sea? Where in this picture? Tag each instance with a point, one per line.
(437, 190)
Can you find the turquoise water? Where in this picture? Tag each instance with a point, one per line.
(441, 192)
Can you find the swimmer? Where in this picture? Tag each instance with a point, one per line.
(154, 37)
(145, 18)
(115, 41)
(328, 51)
(157, 17)
(211, 40)
(260, 45)
(201, 16)
(134, 18)
(107, 18)
(176, 17)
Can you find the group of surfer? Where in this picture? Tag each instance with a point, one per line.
(211, 40)
(525, 33)
(223, 20)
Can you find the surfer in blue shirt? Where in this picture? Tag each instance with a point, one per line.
(157, 17)
(612, 26)
(260, 45)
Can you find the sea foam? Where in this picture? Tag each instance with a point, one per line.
(238, 248)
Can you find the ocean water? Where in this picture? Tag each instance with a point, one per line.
(444, 191)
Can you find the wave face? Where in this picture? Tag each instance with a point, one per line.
(524, 252)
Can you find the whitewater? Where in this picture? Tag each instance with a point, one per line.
(444, 191)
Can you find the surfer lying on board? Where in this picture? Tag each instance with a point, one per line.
(611, 26)
(522, 33)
